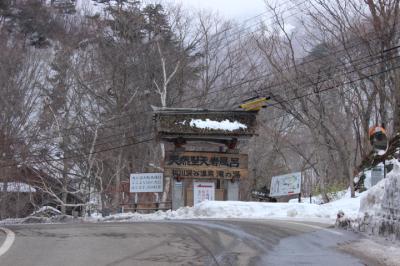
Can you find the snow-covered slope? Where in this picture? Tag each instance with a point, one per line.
(380, 207)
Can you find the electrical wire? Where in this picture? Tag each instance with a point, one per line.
(279, 102)
(207, 103)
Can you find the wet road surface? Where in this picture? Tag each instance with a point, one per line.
(188, 242)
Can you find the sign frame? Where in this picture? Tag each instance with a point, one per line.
(146, 182)
(286, 185)
(203, 191)
(206, 165)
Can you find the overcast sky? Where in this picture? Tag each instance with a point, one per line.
(239, 9)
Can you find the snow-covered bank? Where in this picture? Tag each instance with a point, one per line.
(371, 209)
(227, 210)
(374, 210)
(380, 208)
(376, 251)
(248, 210)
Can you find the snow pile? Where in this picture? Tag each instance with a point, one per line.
(247, 210)
(384, 195)
(371, 202)
(380, 208)
(334, 196)
(218, 125)
(391, 197)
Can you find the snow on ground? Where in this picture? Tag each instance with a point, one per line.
(248, 210)
(292, 210)
(380, 208)
(371, 202)
(332, 196)
(374, 198)
(375, 251)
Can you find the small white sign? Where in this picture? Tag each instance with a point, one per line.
(284, 185)
(146, 182)
(203, 191)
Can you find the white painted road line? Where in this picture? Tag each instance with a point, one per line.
(10, 237)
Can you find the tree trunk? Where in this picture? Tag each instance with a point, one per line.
(64, 192)
(117, 196)
(396, 111)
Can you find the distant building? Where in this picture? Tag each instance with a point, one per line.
(22, 191)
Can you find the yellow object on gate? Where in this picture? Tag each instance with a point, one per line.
(254, 104)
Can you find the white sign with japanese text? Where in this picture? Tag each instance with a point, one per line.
(146, 182)
(203, 191)
(284, 185)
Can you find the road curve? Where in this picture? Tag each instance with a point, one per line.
(188, 242)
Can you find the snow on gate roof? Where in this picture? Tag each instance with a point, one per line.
(191, 123)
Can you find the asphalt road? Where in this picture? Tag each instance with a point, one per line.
(233, 242)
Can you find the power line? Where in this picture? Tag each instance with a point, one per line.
(328, 89)
(146, 133)
(195, 97)
(355, 69)
(258, 78)
(247, 81)
(315, 73)
(82, 155)
(184, 100)
(279, 102)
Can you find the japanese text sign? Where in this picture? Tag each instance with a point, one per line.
(206, 165)
(146, 182)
